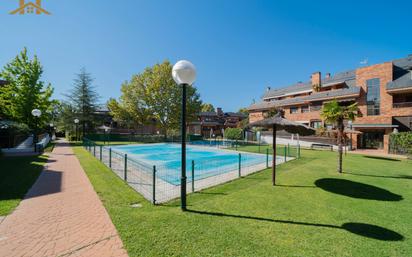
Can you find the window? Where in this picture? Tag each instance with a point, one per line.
(316, 106)
(316, 124)
(305, 108)
(293, 110)
(373, 97)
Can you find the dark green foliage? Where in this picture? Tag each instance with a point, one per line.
(81, 103)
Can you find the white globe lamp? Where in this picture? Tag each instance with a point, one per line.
(184, 72)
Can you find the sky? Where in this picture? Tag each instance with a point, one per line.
(238, 47)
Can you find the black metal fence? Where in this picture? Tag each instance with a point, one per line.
(159, 183)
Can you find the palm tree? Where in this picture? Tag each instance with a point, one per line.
(332, 112)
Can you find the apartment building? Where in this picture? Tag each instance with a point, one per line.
(383, 92)
(213, 123)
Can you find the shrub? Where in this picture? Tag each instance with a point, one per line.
(233, 133)
(401, 142)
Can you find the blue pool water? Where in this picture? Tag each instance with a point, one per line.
(208, 161)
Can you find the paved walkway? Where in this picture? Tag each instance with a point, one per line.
(60, 216)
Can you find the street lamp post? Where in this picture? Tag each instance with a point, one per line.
(76, 121)
(36, 113)
(184, 74)
(350, 143)
(51, 129)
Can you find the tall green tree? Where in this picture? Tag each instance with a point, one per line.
(66, 116)
(83, 99)
(25, 91)
(207, 107)
(154, 94)
(334, 113)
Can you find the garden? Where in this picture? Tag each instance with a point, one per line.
(365, 211)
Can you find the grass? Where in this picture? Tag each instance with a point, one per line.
(17, 175)
(116, 142)
(49, 147)
(313, 211)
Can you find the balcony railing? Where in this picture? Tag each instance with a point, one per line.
(402, 105)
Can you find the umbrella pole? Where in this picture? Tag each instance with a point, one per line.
(274, 156)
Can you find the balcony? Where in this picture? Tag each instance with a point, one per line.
(402, 105)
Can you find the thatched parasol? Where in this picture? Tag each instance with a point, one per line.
(277, 122)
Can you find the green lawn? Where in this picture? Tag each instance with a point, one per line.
(116, 142)
(312, 212)
(17, 175)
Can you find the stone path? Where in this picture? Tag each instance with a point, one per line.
(60, 216)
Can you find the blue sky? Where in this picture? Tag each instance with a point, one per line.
(239, 47)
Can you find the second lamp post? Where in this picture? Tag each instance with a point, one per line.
(184, 74)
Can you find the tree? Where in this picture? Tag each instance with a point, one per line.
(153, 94)
(25, 91)
(245, 122)
(334, 113)
(207, 108)
(130, 110)
(66, 117)
(83, 99)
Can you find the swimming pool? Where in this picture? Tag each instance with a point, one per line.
(207, 161)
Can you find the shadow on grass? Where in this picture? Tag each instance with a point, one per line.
(295, 186)
(379, 176)
(361, 229)
(356, 189)
(19, 174)
(381, 158)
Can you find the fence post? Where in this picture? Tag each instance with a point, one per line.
(154, 184)
(298, 151)
(125, 167)
(285, 153)
(94, 150)
(288, 150)
(240, 165)
(193, 176)
(267, 158)
(101, 148)
(110, 157)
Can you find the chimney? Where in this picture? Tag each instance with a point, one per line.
(219, 111)
(21, 4)
(38, 3)
(267, 89)
(327, 75)
(315, 78)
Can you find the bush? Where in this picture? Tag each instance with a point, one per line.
(401, 142)
(233, 133)
(12, 133)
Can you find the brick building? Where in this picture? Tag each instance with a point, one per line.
(383, 93)
(213, 123)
